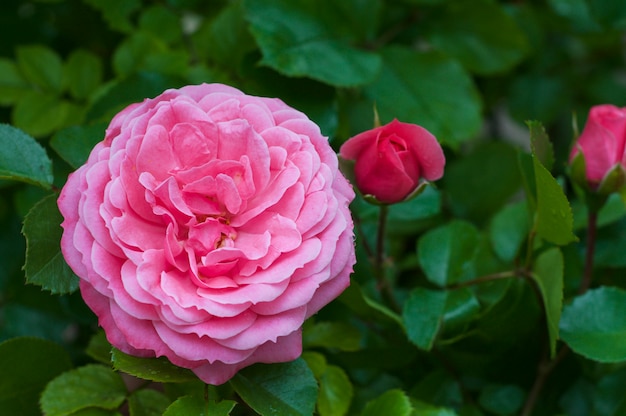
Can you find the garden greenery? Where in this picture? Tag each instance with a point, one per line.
(499, 289)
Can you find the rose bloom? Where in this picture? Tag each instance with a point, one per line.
(602, 142)
(390, 160)
(206, 227)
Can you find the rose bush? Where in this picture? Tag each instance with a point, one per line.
(206, 227)
(602, 143)
(390, 160)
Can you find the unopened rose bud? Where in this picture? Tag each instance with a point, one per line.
(391, 160)
(598, 159)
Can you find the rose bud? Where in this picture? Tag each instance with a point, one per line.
(598, 158)
(206, 227)
(390, 160)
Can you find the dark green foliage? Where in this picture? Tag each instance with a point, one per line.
(482, 285)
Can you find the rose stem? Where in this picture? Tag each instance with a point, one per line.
(379, 260)
(546, 366)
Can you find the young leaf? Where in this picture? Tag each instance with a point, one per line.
(45, 265)
(392, 402)
(93, 385)
(23, 159)
(147, 402)
(335, 393)
(423, 315)
(83, 72)
(428, 89)
(75, 143)
(41, 66)
(593, 325)
(446, 253)
(154, 369)
(309, 43)
(197, 406)
(40, 113)
(554, 221)
(540, 144)
(26, 365)
(285, 389)
(12, 84)
(548, 273)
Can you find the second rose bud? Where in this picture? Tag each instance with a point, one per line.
(390, 161)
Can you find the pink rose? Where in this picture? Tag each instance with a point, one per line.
(602, 142)
(391, 159)
(206, 227)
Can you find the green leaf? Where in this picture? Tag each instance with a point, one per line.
(40, 114)
(554, 220)
(502, 399)
(509, 228)
(362, 304)
(93, 385)
(162, 23)
(423, 316)
(283, 389)
(130, 90)
(99, 348)
(225, 39)
(84, 72)
(409, 216)
(144, 52)
(548, 274)
(117, 13)
(197, 406)
(146, 402)
(12, 84)
(461, 308)
(95, 411)
(540, 144)
(41, 66)
(428, 89)
(446, 253)
(466, 178)
(608, 398)
(23, 159)
(593, 325)
(154, 369)
(26, 365)
(75, 143)
(45, 265)
(611, 14)
(392, 402)
(339, 335)
(316, 362)
(306, 38)
(425, 409)
(479, 34)
(335, 392)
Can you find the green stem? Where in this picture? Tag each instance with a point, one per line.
(592, 226)
(380, 238)
(384, 287)
(483, 279)
(546, 365)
